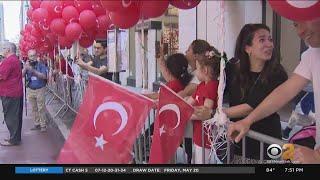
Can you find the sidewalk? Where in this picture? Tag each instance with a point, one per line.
(35, 148)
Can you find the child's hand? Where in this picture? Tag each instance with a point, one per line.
(203, 113)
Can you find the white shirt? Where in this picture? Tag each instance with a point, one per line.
(309, 68)
(194, 79)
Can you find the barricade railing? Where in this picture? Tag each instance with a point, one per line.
(68, 90)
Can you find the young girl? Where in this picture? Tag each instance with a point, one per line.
(207, 71)
(177, 66)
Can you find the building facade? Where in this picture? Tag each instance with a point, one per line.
(2, 30)
(219, 23)
(23, 13)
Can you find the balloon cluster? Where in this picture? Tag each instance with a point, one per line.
(65, 21)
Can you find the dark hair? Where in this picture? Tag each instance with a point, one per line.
(272, 66)
(177, 65)
(102, 42)
(200, 46)
(212, 59)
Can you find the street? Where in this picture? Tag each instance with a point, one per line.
(36, 147)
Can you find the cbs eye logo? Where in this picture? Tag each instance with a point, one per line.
(274, 151)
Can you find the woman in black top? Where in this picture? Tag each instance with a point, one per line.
(250, 78)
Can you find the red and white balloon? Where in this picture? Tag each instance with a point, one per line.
(297, 10)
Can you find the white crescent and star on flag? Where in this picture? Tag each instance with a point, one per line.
(110, 106)
(170, 107)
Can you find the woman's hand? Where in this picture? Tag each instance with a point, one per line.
(238, 130)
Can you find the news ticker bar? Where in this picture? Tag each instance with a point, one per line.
(134, 170)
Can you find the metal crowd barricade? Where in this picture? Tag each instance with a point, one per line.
(68, 91)
(143, 145)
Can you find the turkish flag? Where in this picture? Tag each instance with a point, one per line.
(107, 125)
(172, 116)
(297, 10)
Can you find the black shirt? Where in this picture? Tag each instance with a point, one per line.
(99, 61)
(254, 95)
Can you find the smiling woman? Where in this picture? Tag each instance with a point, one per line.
(11, 20)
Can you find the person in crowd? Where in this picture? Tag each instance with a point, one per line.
(307, 71)
(195, 50)
(178, 76)
(177, 66)
(254, 73)
(207, 71)
(36, 73)
(60, 66)
(86, 57)
(11, 93)
(1, 58)
(99, 64)
(303, 111)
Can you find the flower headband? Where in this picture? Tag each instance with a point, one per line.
(211, 54)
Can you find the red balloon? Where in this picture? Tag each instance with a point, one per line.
(297, 10)
(45, 4)
(82, 5)
(28, 27)
(36, 33)
(44, 27)
(104, 23)
(111, 5)
(52, 38)
(88, 19)
(86, 41)
(153, 8)
(91, 34)
(184, 4)
(64, 42)
(47, 46)
(101, 35)
(35, 4)
(55, 8)
(29, 13)
(40, 14)
(116, 5)
(70, 14)
(68, 3)
(126, 18)
(58, 26)
(73, 31)
(98, 8)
